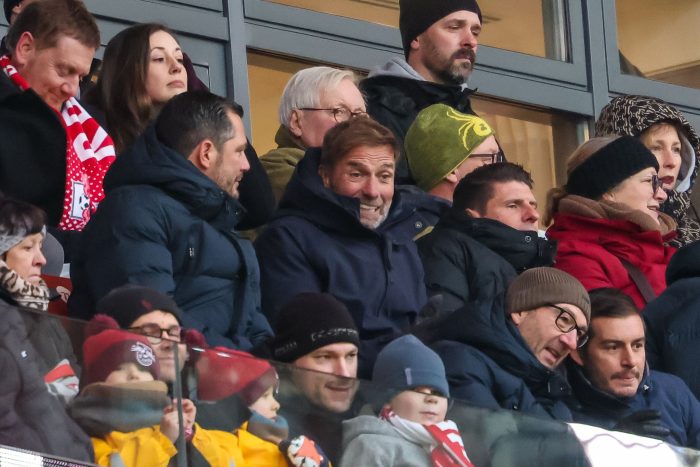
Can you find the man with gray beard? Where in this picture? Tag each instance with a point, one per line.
(439, 42)
(343, 228)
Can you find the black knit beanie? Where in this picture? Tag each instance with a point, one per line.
(126, 304)
(418, 15)
(9, 5)
(544, 286)
(310, 321)
(610, 166)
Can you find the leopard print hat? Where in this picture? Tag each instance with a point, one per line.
(631, 115)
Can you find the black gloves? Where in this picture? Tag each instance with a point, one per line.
(644, 423)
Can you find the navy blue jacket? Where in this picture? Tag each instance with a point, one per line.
(166, 225)
(316, 243)
(673, 322)
(680, 410)
(466, 259)
(489, 364)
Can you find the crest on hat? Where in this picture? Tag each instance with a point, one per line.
(144, 354)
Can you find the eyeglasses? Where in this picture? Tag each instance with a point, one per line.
(340, 114)
(155, 332)
(490, 158)
(566, 323)
(655, 183)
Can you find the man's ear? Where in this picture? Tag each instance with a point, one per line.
(325, 176)
(517, 317)
(24, 50)
(576, 356)
(452, 177)
(204, 155)
(609, 196)
(473, 213)
(295, 123)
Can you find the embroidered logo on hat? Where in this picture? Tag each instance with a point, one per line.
(144, 354)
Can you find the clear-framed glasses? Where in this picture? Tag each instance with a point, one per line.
(340, 114)
(155, 332)
(489, 158)
(566, 322)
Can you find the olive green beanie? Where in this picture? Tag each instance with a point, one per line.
(439, 140)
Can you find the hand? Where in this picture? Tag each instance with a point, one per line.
(644, 423)
(189, 414)
(169, 423)
(303, 452)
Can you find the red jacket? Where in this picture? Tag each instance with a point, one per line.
(589, 249)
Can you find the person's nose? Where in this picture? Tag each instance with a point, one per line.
(531, 214)
(69, 88)
(371, 187)
(245, 165)
(341, 368)
(469, 39)
(627, 357)
(40, 259)
(569, 339)
(660, 195)
(668, 159)
(175, 66)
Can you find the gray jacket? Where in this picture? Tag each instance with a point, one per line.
(371, 442)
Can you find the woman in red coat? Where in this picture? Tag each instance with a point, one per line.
(607, 220)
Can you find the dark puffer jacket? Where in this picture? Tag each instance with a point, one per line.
(680, 410)
(30, 417)
(673, 322)
(489, 364)
(469, 259)
(316, 243)
(631, 115)
(165, 225)
(394, 98)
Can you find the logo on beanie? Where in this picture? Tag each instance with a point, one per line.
(144, 354)
(335, 332)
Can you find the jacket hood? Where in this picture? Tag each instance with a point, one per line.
(150, 162)
(306, 196)
(487, 327)
(399, 67)
(631, 115)
(522, 249)
(588, 395)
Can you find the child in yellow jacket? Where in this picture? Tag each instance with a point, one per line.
(263, 439)
(127, 411)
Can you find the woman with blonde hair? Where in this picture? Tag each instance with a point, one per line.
(607, 219)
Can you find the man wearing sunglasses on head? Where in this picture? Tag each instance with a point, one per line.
(508, 355)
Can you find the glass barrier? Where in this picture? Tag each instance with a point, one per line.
(659, 53)
(223, 406)
(533, 27)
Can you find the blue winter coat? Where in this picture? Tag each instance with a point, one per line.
(680, 410)
(316, 243)
(489, 365)
(673, 320)
(166, 225)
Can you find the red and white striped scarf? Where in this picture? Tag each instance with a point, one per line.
(89, 153)
(442, 440)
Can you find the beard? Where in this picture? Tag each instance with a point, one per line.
(447, 68)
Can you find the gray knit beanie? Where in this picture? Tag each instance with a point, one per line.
(538, 287)
(406, 363)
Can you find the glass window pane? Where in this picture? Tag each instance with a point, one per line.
(534, 27)
(662, 48)
(539, 140)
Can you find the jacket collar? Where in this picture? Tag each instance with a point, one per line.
(522, 249)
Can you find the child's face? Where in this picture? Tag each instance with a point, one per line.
(129, 373)
(266, 405)
(421, 405)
